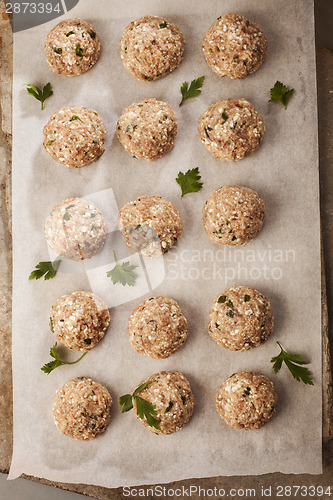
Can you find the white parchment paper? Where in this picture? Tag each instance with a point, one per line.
(283, 262)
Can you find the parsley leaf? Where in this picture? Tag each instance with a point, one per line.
(193, 90)
(52, 365)
(122, 273)
(39, 94)
(144, 409)
(189, 182)
(75, 117)
(47, 269)
(78, 50)
(280, 93)
(294, 363)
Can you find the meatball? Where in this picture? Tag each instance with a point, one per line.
(81, 409)
(231, 129)
(74, 136)
(75, 229)
(147, 129)
(151, 47)
(150, 225)
(246, 400)
(234, 46)
(157, 327)
(233, 215)
(240, 318)
(172, 397)
(79, 320)
(72, 47)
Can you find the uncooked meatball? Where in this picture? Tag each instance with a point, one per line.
(147, 129)
(234, 46)
(74, 136)
(151, 47)
(157, 327)
(81, 409)
(233, 215)
(240, 318)
(172, 397)
(150, 225)
(231, 129)
(79, 320)
(75, 229)
(72, 47)
(246, 400)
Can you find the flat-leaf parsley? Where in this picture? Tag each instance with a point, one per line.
(144, 409)
(122, 273)
(280, 93)
(38, 93)
(294, 363)
(47, 269)
(49, 367)
(191, 91)
(189, 182)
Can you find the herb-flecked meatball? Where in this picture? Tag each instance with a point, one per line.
(147, 129)
(246, 400)
(72, 47)
(233, 215)
(81, 409)
(240, 318)
(79, 320)
(171, 395)
(231, 129)
(151, 225)
(74, 136)
(234, 46)
(157, 327)
(151, 47)
(75, 229)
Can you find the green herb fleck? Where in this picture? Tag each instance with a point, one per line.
(92, 34)
(224, 115)
(51, 141)
(245, 61)
(246, 392)
(51, 324)
(247, 298)
(247, 23)
(70, 33)
(164, 25)
(67, 216)
(87, 341)
(70, 206)
(222, 299)
(169, 407)
(183, 398)
(75, 117)
(78, 50)
(57, 50)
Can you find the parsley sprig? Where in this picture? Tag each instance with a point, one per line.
(39, 94)
(281, 94)
(191, 91)
(122, 273)
(47, 269)
(144, 409)
(52, 365)
(189, 182)
(294, 363)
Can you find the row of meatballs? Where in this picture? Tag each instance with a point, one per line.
(151, 47)
(230, 129)
(246, 400)
(77, 230)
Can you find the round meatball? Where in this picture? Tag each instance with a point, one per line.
(75, 229)
(147, 129)
(172, 397)
(240, 318)
(231, 129)
(157, 327)
(79, 320)
(72, 47)
(74, 136)
(246, 400)
(81, 409)
(234, 46)
(150, 225)
(151, 47)
(233, 215)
